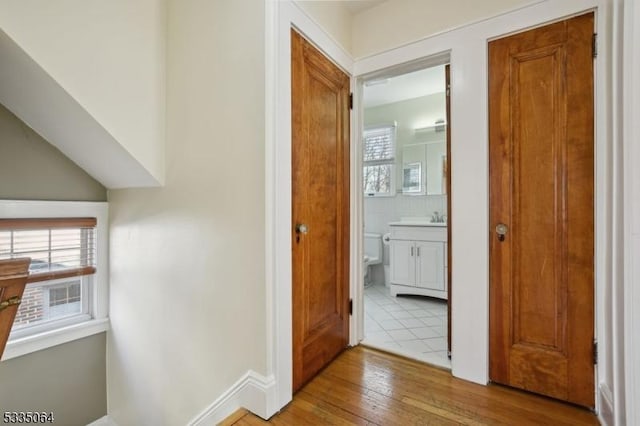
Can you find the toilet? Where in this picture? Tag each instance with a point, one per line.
(372, 254)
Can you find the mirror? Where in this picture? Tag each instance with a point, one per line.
(427, 153)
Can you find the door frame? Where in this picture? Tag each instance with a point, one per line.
(394, 70)
(468, 44)
(631, 208)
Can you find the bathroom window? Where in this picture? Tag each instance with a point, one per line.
(379, 149)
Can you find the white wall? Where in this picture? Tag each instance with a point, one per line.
(188, 260)
(398, 22)
(333, 17)
(109, 56)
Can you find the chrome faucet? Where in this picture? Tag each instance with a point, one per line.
(437, 217)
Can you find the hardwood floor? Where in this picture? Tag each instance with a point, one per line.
(367, 387)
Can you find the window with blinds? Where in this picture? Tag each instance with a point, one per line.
(379, 149)
(63, 260)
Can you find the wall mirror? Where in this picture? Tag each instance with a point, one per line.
(431, 145)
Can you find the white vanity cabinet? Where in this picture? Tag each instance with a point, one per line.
(418, 259)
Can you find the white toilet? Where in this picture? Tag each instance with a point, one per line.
(372, 254)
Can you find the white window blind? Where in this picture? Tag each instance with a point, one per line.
(379, 144)
(379, 149)
(58, 248)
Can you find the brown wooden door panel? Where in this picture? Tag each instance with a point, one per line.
(541, 187)
(320, 191)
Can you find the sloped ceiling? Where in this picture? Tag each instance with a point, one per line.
(38, 100)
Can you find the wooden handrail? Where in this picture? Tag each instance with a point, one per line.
(13, 278)
(64, 273)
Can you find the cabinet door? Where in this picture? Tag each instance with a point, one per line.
(430, 265)
(403, 264)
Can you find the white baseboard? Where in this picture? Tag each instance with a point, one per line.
(103, 421)
(253, 391)
(606, 411)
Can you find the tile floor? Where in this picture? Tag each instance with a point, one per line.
(413, 326)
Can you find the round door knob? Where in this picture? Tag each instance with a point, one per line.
(501, 230)
(301, 228)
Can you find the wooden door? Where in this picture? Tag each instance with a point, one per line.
(541, 188)
(320, 228)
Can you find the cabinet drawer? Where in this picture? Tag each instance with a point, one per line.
(419, 233)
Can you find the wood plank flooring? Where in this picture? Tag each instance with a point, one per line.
(367, 387)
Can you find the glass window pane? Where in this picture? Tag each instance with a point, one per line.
(377, 179)
(43, 302)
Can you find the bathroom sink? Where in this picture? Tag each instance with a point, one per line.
(417, 221)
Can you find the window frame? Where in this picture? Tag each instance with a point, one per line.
(97, 298)
(85, 314)
(391, 162)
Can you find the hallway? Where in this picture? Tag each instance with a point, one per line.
(365, 386)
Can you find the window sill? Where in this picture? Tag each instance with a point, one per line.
(37, 342)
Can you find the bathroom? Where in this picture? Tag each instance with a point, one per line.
(405, 177)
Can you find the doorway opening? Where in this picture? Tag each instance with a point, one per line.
(406, 209)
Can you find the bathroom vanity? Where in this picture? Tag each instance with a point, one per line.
(418, 258)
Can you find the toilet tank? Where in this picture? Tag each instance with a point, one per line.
(373, 247)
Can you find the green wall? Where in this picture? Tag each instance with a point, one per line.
(33, 169)
(69, 379)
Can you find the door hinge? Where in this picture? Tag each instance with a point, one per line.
(351, 100)
(594, 45)
(448, 89)
(595, 352)
(350, 306)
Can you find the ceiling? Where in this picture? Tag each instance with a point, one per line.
(357, 6)
(406, 86)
